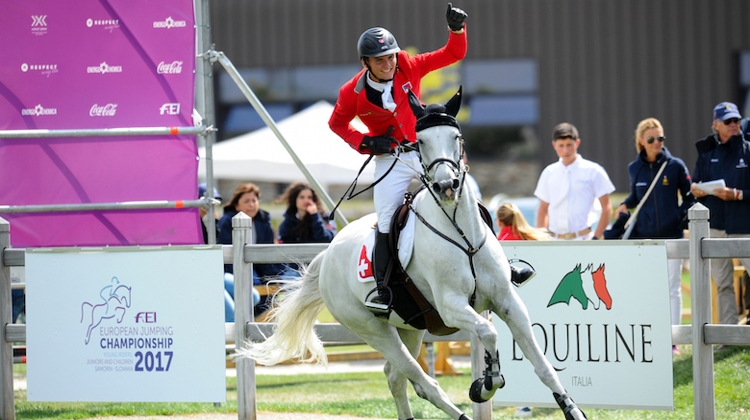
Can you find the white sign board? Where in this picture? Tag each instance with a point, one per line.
(126, 324)
(600, 313)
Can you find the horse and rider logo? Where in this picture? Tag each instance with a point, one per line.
(593, 290)
(115, 301)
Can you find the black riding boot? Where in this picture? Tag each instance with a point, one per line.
(520, 275)
(381, 256)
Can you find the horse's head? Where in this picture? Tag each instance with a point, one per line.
(440, 144)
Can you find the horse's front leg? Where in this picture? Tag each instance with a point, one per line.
(459, 314)
(513, 312)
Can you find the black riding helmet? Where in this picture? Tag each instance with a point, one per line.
(376, 42)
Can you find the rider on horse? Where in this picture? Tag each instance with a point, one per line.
(378, 94)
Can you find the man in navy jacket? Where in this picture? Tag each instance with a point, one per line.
(725, 154)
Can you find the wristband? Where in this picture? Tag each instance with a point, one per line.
(736, 194)
(740, 195)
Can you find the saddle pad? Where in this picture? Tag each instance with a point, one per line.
(405, 249)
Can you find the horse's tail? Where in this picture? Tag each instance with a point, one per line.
(86, 308)
(294, 337)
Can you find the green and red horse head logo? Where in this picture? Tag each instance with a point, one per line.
(584, 286)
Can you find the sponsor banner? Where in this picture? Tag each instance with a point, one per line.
(135, 53)
(113, 64)
(128, 330)
(600, 313)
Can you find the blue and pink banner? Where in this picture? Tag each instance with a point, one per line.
(88, 65)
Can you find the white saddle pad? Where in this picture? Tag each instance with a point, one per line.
(405, 250)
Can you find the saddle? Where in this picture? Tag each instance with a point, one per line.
(407, 301)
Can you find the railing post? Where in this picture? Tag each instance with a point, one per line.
(700, 297)
(242, 233)
(7, 404)
(482, 411)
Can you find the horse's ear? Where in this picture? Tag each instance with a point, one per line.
(416, 106)
(454, 104)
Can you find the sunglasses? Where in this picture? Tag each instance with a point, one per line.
(731, 120)
(660, 139)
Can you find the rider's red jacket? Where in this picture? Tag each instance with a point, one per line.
(353, 102)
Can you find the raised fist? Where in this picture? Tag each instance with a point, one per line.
(455, 17)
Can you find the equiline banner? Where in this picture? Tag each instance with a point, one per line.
(600, 313)
(91, 65)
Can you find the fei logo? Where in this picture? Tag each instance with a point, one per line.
(116, 301)
(584, 286)
(170, 109)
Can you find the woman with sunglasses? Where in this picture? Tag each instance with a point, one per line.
(661, 216)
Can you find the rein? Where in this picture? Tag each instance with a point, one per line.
(349, 193)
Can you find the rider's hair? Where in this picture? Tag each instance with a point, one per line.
(510, 215)
(241, 190)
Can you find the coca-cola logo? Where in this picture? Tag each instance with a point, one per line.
(174, 67)
(103, 111)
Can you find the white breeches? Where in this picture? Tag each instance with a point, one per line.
(388, 194)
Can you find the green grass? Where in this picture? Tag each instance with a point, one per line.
(366, 395)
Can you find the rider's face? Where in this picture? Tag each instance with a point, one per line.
(383, 67)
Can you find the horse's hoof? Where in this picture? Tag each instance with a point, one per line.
(569, 407)
(483, 388)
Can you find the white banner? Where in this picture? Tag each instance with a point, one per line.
(600, 313)
(126, 324)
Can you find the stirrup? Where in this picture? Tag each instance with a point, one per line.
(376, 305)
(519, 276)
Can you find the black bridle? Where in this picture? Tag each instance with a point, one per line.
(469, 249)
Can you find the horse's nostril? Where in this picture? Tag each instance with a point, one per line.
(455, 183)
(436, 187)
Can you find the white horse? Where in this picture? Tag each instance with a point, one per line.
(456, 259)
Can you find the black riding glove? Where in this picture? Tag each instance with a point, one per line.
(455, 17)
(378, 144)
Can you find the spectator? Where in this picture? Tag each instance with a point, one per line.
(725, 155)
(228, 277)
(304, 221)
(514, 227)
(661, 216)
(203, 213)
(569, 188)
(378, 95)
(18, 298)
(246, 199)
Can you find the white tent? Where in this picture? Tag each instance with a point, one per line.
(260, 156)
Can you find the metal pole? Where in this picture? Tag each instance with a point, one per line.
(7, 404)
(261, 110)
(242, 233)
(700, 286)
(105, 132)
(125, 205)
(204, 98)
(482, 411)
